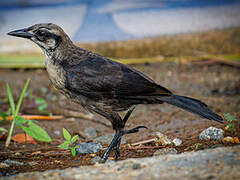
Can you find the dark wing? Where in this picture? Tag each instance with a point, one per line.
(98, 77)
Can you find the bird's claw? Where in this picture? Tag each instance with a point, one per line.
(134, 130)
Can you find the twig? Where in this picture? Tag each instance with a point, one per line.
(147, 147)
(35, 117)
(217, 61)
(144, 142)
(31, 150)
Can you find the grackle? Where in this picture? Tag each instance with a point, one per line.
(101, 85)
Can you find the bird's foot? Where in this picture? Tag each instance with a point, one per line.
(116, 141)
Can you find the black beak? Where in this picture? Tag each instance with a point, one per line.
(21, 33)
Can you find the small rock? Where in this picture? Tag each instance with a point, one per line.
(86, 148)
(199, 146)
(96, 160)
(177, 142)
(57, 132)
(90, 133)
(107, 138)
(8, 173)
(92, 155)
(162, 139)
(228, 139)
(165, 151)
(236, 140)
(211, 133)
(10, 162)
(17, 154)
(4, 165)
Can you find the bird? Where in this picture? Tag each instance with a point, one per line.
(101, 85)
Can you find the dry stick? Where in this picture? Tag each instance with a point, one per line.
(217, 61)
(147, 147)
(35, 117)
(144, 142)
(32, 150)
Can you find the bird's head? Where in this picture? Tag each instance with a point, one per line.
(46, 35)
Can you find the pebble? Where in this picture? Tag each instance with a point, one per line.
(57, 132)
(4, 165)
(211, 133)
(228, 139)
(10, 162)
(90, 133)
(199, 146)
(87, 148)
(177, 142)
(162, 139)
(165, 151)
(95, 160)
(236, 140)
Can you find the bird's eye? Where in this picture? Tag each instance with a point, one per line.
(41, 33)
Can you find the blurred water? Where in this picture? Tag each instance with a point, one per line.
(106, 20)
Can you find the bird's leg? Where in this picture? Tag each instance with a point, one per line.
(116, 141)
(116, 148)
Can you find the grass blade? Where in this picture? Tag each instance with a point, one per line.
(21, 97)
(11, 101)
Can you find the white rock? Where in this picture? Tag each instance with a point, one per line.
(162, 139)
(211, 133)
(177, 142)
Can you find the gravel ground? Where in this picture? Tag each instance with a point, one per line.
(219, 163)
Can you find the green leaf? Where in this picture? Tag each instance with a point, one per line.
(21, 96)
(10, 97)
(4, 116)
(54, 98)
(66, 134)
(74, 138)
(73, 151)
(230, 126)
(40, 101)
(43, 90)
(229, 117)
(3, 129)
(20, 120)
(42, 107)
(64, 145)
(36, 132)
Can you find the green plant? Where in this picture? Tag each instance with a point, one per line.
(42, 104)
(3, 129)
(233, 125)
(230, 119)
(31, 129)
(69, 142)
(4, 115)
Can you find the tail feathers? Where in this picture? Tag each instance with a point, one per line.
(192, 105)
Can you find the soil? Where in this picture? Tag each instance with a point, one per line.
(218, 86)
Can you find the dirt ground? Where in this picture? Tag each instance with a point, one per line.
(218, 86)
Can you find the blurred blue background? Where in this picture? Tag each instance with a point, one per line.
(112, 20)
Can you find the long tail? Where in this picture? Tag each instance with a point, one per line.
(192, 105)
